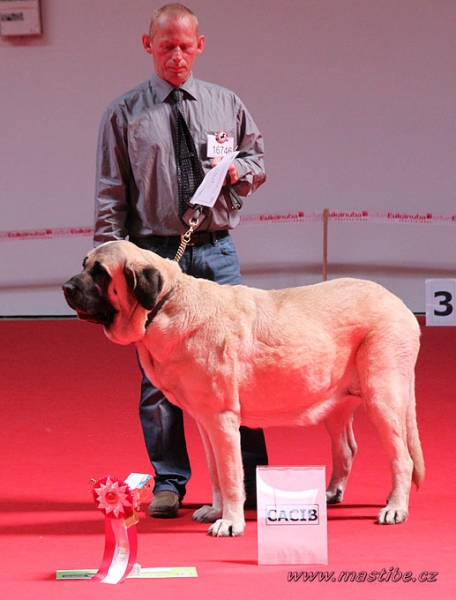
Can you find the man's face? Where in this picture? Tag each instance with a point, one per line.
(174, 45)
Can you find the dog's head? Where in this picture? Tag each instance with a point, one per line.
(119, 286)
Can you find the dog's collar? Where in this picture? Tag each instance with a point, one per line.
(151, 316)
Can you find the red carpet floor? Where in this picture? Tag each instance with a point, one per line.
(69, 411)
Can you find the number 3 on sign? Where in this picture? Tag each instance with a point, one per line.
(441, 302)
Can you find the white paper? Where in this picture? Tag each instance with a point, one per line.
(209, 189)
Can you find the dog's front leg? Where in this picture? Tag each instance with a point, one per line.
(225, 442)
(209, 514)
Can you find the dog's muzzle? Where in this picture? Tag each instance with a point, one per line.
(88, 303)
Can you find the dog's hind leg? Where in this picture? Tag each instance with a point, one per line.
(343, 447)
(386, 365)
(388, 394)
(388, 415)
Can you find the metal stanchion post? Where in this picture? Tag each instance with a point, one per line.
(325, 244)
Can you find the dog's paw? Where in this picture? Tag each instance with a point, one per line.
(334, 496)
(207, 514)
(226, 528)
(391, 516)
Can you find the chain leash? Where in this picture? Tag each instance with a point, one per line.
(185, 239)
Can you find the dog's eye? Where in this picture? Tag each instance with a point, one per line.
(100, 276)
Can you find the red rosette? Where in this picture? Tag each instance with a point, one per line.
(221, 137)
(113, 497)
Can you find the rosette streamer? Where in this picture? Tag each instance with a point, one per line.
(115, 499)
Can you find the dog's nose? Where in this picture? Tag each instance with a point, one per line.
(68, 288)
(71, 288)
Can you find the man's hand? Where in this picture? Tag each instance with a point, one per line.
(232, 175)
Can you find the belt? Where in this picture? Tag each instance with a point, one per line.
(198, 239)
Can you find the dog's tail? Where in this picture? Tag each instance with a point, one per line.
(414, 444)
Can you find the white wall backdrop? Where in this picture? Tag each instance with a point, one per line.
(356, 100)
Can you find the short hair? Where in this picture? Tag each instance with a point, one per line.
(174, 10)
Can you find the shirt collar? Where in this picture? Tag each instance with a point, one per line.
(163, 88)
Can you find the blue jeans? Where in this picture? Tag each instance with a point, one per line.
(161, 421)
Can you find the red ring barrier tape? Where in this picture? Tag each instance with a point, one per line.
(363, 216)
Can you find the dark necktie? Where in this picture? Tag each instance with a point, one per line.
(189, 169)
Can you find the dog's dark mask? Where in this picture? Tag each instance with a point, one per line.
(86, 293)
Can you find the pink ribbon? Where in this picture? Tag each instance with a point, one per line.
(115, 499)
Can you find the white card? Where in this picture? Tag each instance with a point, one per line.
(219, 145)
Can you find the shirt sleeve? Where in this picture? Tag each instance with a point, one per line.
(250, 160)
(112, 176)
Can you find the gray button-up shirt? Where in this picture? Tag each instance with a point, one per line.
(136, 185)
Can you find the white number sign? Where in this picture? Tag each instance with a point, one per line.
(441, 302)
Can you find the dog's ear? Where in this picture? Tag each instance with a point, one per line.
(146, 284)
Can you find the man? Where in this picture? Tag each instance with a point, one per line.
(137, 198)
